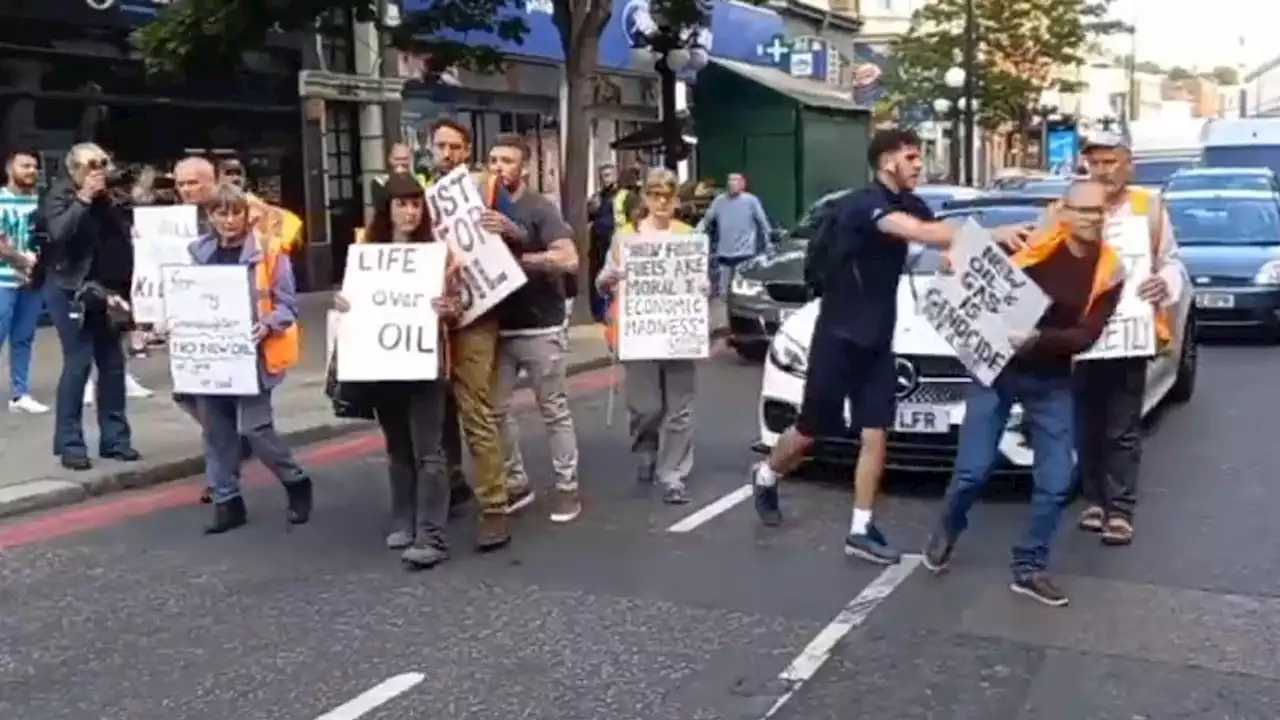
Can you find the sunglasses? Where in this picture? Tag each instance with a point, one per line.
(659, 194)
(1092, 211)
(97, 163)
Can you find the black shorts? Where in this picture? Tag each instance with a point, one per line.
(840, 369)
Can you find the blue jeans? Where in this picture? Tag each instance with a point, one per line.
(725, 269)
(20, 310)
(1049, 412)
(86, 343)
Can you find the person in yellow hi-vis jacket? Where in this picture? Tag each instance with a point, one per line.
(660, 394)
(1110, 392)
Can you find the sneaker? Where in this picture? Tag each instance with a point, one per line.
(872, 547)
(675, 495)
(565, 506)
(424, 554)
(519, 499)
(938, 550)
(1040, 588)
(766, 500)
(135, 389)
(27, 404)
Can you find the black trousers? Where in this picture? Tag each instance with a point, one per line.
(1109, 396)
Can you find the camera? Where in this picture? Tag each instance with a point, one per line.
(120, 178)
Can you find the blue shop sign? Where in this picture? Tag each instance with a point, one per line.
(1062, 149)
(737, 29)
(803, 57)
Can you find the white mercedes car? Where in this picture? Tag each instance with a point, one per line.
(931, 381)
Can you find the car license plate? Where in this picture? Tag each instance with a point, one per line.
(1215, 300)
(928, 419)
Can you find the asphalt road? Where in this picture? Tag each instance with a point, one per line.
(615, 617)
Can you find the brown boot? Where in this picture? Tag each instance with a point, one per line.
(492, 532)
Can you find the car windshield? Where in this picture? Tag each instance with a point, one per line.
(1225, 221)
(925, 261)
(1216, 181)
(1155, 173)
(1047, 186)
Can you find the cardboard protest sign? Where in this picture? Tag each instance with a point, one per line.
(391, 331)
(489, 271)
(663, 309)
(209, 318)
(161, 237)
(1131, 331)
(981, 303)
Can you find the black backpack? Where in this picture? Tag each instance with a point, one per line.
(826, 251)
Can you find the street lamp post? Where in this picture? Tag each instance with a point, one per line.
(954, 79)
(970, 91)
(672, 50)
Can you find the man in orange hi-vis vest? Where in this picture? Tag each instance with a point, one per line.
(1083, 278)
(1110, 392)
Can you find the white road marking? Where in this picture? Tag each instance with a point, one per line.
(711, 511)
(376, 696)
(818, 651)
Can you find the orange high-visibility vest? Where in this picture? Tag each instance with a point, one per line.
(275, 224)
(280, 349)
(615, 251)
(1108, 274)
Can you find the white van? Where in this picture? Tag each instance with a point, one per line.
(1243, 142)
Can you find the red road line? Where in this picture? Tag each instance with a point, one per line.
(104, 512)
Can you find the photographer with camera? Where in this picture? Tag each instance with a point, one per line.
(86, 255)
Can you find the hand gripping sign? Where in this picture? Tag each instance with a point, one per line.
(982, 303)
(488, 270)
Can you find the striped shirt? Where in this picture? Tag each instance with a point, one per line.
(17, 219)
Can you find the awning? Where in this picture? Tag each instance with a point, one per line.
(649, 136)
(809, 93)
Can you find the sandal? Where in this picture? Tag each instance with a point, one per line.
(1119, 531)
(1092, 519)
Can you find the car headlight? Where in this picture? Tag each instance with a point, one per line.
(787, 355)
(1268, 274)
(746, 287)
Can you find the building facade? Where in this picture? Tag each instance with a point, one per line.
(1262, 89)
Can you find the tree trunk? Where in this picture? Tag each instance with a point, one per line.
(580, 63)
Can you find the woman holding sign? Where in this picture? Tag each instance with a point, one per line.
(411, 413)
(659, 393)
(228, 420)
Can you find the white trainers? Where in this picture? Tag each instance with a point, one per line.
(27, 404)
(135, 389)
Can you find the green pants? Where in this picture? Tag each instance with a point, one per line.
(475, 377)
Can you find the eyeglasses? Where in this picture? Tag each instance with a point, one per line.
(655, 194)
(97, 163)
(1090, 211)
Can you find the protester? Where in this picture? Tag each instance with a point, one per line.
(1083, 277)
(660, 394)
(475, 364)
(412, 414)
(20, 301)
(225, 420)
(1110, 393)
(531, 328)
(852, 352)
(399, 161)
(231, 172)
(626, 201)
(738, 228)
(602, 227)
(87, 261)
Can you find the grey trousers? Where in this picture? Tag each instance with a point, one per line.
(224, 422)
(660, 396)
(543, 359)
(1109, 397)
(412, 415)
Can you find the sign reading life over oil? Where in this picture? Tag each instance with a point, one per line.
(488, 270)
(664, 313)
(210, 324)
(981, 303)
(1131, 331)
(391, 331)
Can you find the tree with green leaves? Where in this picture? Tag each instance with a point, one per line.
(1022, 48)
(1224, 75)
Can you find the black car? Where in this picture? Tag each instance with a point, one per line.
(768, 288)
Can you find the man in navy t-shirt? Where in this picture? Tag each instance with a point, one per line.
(851, 355)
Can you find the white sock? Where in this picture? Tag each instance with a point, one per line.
(765, 476)
(861, 521)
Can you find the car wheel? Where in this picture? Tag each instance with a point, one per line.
(1184, 385)
(752, 352)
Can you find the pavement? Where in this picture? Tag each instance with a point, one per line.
(119, 609)
(168, 439)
